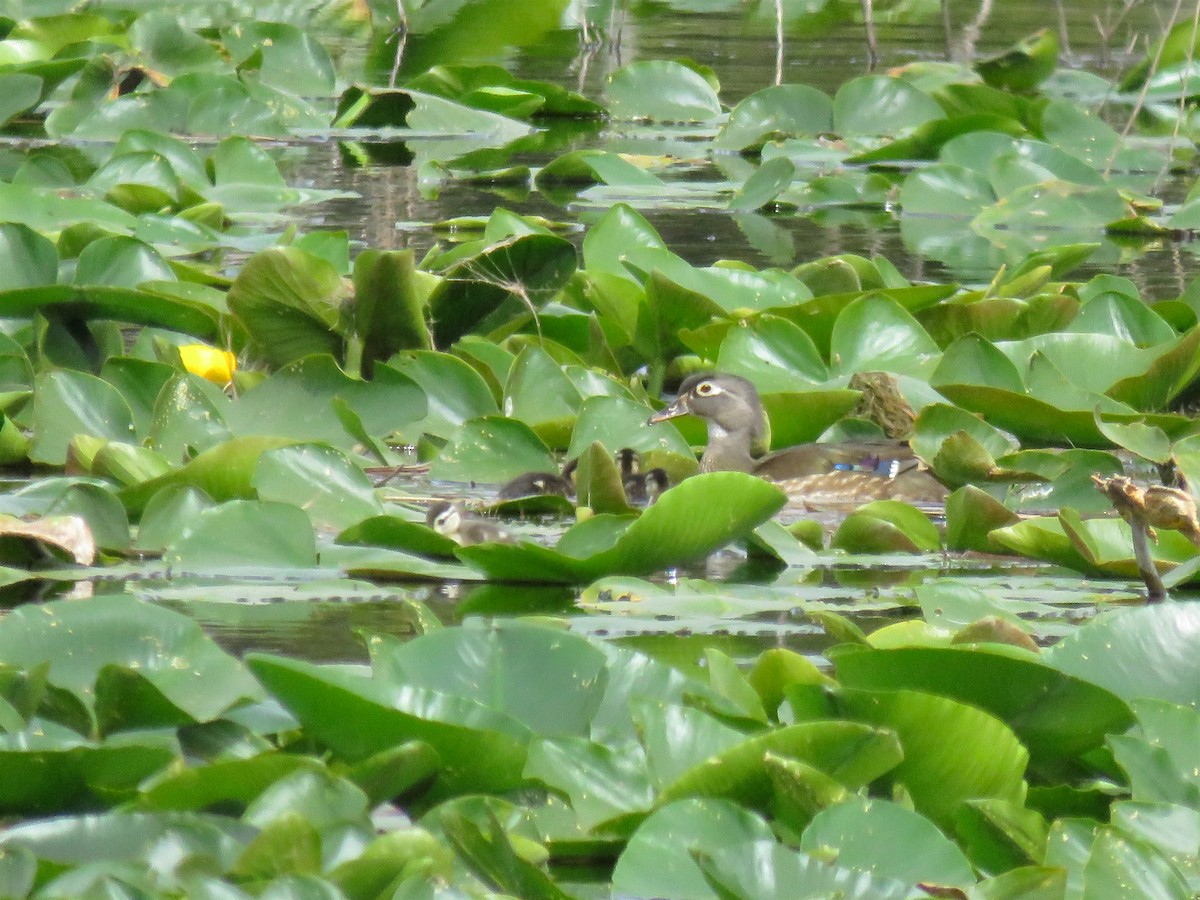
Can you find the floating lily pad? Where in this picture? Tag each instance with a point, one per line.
(688, 522)
(663, 90)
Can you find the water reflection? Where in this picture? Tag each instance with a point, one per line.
(753, 603)
(824, 45)
(327, 620)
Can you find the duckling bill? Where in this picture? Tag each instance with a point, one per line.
(820, 473)
(467, 529)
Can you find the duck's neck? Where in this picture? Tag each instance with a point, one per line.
(727, 451)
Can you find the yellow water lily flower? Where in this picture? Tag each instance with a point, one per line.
(208, 362)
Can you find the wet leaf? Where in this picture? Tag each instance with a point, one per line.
(70, 403)
(164, 647)
(1033, 697)
(786, 109)
(1135, 653)
(661, 90)
(889, 841)
(246, 535)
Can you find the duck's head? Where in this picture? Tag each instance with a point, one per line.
(729, 403)
(444, 518)
(629, 461)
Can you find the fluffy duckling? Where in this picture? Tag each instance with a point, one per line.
(465, 528)
(537, 484)
(640, 487)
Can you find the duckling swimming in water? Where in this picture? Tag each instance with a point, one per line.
(538, 484)
(640, 487)
(465, 528)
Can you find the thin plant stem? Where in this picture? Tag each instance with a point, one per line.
(401, 34)
(868, 8)
(1141, 97)
(779, 41)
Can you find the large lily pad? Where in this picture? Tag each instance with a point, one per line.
(166, 648)
(1136, 653)
(1057, 717)
(688, 522)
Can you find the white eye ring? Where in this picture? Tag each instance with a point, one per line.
(708, 389)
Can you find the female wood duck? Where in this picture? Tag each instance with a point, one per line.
(451, 520)
(834, 474)
(640, 487)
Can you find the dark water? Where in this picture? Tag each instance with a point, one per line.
(738, 41)
(394, 209)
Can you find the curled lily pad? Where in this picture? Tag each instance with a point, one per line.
(1029, 694)
(887, 526)
(984, 759)
(70, 534)
(508, 279)
(785, 109)
(223, 472)
(290, 303)
(357, 717)
(1025, 65)
(688, 522)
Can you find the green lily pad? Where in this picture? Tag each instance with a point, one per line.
(885, 526)
(492, 449)
(70, 403)
(688, 522)
(246, 535)
(224, 472)
(888, 840)
(785, 109)
(952, 752)
(324, 482)
(356, 717)
(663, 90)
(879, 104)
(166, 648)
(1135, 653)
(1033, 697)
(290, 303)
(486, 289)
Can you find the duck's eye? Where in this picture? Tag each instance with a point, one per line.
(706, 388)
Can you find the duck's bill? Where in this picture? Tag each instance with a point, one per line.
(676, 409)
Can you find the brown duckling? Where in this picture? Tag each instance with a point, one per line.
(640, 487)
(539, 484)
(817, 473)
(451, 520)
